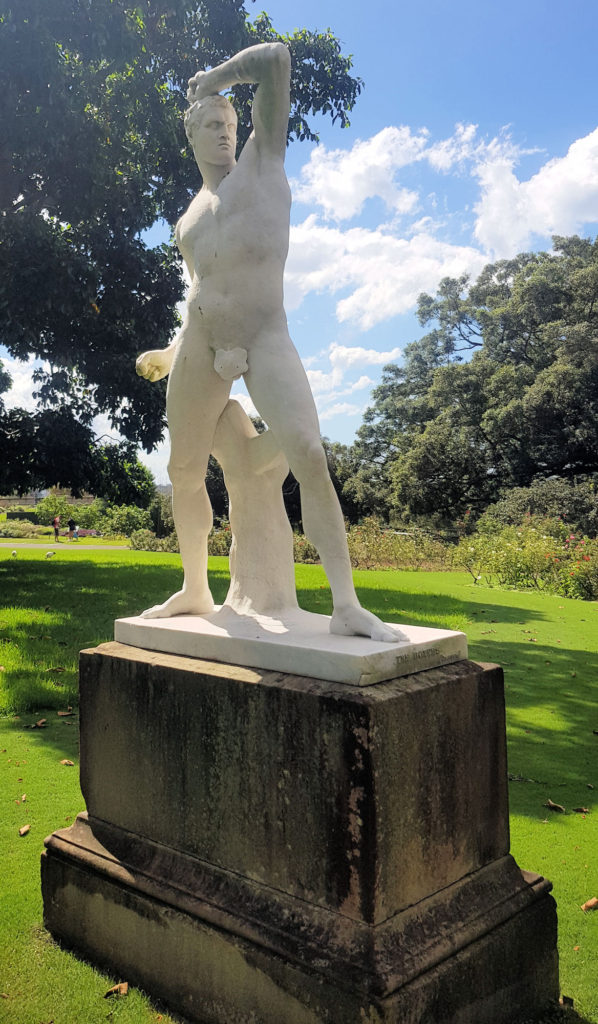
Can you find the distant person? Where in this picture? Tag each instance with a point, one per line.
(56, 525)
(72, 527)
(76, 533)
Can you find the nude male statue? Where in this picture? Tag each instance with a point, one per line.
(234, 240)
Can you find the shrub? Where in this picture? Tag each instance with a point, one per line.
(88, 516)
(25, 514)
(555, 498)
(220, 540)
(52, 506)
(303, 549)
(146, 540)
(124, 520)
(160, 511)
(538, 553)
(21, 529)
(373, 546)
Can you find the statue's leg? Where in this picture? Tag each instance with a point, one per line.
(278, 385)
(195, 399)
(261, 557)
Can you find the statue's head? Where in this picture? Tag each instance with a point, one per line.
(215, 108)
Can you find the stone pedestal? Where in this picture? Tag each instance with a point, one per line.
(263, 848)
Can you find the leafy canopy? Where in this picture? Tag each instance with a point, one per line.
(92, 154)
(502, 390)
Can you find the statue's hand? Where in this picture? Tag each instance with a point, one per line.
(154, 365)
(196, 88)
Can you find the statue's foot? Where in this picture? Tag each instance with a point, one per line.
(353, 620)
(182, 603)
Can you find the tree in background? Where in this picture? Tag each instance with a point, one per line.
(92, 154)
(448, 434)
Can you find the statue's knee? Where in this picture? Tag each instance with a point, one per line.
(310, 462)
(185, 474)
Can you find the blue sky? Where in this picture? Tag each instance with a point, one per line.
(475, 137)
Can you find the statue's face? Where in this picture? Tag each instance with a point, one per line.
(214, 135)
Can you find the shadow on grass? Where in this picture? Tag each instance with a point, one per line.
(60, 735)
(558, 1015)
(56, 609)
(83, 597)
(550, 690)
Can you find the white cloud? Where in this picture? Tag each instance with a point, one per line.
(384, 273)
(353, 355)
(460, 146)
(341, 409)
(559, 199)
(340, 181)
(20, 394)
(358, 385)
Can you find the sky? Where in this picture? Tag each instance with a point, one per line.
(475, 137)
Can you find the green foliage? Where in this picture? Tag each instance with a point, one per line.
(220, 540)
(21, 529)
(146, 540)
(121, 478)
(86, 516)
(373, 546)
(303, 549)
(123, 520)
(446, 434)
(160, 511)
(537, 553)
(51, 506)
(576, 504)
(93, 154)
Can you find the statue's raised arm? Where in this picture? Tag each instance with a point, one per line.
(269, 66)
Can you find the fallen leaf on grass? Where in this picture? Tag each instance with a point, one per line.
(590, 904)
(118, 990)
(58, 668)
(554, 807)
(23, 798)
(64, 714)
(41, 724)
(66, 761)
(565, 1001)
(589, 785)
(581, 810)
(24, 830)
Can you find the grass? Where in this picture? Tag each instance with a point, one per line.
(54, 607)
(47, 541)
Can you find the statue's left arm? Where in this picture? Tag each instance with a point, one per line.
(269, 66)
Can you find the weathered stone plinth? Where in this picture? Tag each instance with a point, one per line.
(263, 848)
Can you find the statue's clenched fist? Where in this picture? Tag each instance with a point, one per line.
(154, 365)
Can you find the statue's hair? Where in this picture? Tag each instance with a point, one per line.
(195, 113)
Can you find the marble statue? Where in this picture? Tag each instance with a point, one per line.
(234, 240)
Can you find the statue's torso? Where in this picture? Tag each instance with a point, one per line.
(236, 241)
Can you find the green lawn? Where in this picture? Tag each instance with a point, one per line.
(50, 545)
(51, 608)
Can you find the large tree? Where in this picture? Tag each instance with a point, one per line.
(502, 390)
(92, 153)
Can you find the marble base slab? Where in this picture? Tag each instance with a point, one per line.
(299, 642)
